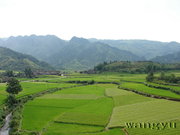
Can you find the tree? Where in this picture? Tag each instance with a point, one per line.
(28, 72)
(9, 73)
(91, 82)
(99, 67)
(162, 76)
(151, 68)
(150, 77)
(13, 86)
(172, 79)
(11, 100)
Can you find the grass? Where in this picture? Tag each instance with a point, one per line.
(88, 110)
(79, 105)
(123, 97)
(3, 93)
(39, 112)
(31, 88)
(73, 129)
(90, 89)
(150, 111)
(131, 107)
(34, 87)
(95, 113)
(36, 117)
(72, 96)
(146, 89)
(167, 86)
(66, 129)
(116, 131)
(133, 77)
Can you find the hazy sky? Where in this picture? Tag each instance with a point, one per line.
(103, 19)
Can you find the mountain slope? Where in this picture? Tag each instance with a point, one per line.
(82, 54)
(76, 54)
(11, 60)
(41, 47)
(143, 48)
(170, 58)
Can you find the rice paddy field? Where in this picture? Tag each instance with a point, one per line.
(97, 109)
(142, 88)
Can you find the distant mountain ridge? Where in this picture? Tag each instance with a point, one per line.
(144, 48)
(76, 54)
(169, 58)
(81, 53)
(41, 47)
(11, 60)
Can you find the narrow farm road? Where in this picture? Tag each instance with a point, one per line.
(5, 129)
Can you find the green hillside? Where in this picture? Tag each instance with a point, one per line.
(80, 54)
(11, 60)
(144, 48)
(170, 58)
(76, 54)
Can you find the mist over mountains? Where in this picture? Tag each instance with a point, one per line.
(81, 53)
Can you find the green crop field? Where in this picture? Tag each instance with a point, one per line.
(130, 107)
(34, 87)
(177, 88)
(3, 94)
(147, 111)
(98, 109)
(146, 89)
(82, 105)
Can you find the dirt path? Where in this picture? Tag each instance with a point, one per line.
(5, 129)
(125, 131)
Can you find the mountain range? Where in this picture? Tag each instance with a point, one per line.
(144, 48)
(11, 60)
(80, 53)
(169, 58)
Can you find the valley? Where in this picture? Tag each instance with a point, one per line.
(100, 108)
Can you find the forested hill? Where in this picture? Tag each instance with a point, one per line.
(170, 58)
(134, 67)
(144, 48)
(76, 54)
(11, 60)
(40, 47)
(83, 54)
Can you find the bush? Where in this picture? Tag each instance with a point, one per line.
(150, 77)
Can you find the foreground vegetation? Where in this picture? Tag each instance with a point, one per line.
(97, 106)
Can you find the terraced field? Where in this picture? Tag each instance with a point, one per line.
(145, 89)
(90, 112)
(177, 88)
(98, 109)
(133, 108)
(34, 87)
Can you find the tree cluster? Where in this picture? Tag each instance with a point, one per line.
(163, 77)
(134, 67)
(169, 78)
